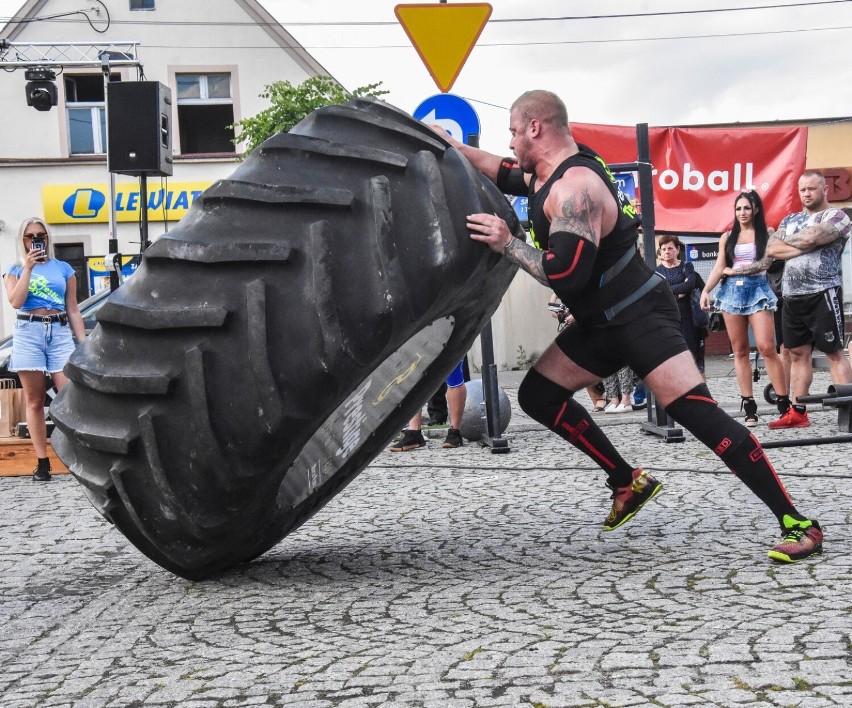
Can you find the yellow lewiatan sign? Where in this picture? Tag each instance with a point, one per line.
(89, 203)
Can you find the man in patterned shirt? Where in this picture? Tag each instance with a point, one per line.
(811, 242)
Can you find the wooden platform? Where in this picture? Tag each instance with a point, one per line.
(18, 458)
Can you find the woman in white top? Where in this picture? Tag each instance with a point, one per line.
(745, 298)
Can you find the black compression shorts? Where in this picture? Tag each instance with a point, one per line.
(642, 336)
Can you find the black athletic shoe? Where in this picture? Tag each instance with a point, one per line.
(411, 440)
(41, 474)
(454, 438)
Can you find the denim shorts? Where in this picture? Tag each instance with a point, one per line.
(745, 295)
(37, 346)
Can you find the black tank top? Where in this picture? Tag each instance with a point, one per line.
(604, 288)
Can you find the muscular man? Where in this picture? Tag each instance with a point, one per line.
(811, 243)
(585, 234)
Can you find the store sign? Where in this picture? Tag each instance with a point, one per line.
(697, 172)
(696, 252)
(89, 203)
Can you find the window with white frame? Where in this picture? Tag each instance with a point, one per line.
(205, 113)
(84, 106)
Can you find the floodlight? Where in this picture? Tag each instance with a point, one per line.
(41, 91)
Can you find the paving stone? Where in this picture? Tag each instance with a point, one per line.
(454, 578)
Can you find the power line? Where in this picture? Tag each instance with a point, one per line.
(672, 13)
(659, 39)
(394, 23)
(519, 43)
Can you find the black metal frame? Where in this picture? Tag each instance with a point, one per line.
(491, 393)
(659, 422)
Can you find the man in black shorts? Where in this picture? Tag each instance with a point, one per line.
(811, 243)
(585, 233)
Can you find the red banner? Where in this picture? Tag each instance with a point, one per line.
(699, 171)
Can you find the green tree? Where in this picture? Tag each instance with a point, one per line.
(289, 104)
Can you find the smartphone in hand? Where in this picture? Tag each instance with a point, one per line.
(38, 245)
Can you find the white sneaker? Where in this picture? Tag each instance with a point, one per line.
(610, 407)
(620, 408)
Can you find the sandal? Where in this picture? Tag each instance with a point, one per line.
(599, 407)
(749, 405)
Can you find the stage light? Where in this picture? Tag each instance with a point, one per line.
(41, 91)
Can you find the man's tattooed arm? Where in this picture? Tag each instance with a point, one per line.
(576, 216)
(527, 257)
(812, 237)
(756, 267)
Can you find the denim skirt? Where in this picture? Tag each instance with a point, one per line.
(745, 295)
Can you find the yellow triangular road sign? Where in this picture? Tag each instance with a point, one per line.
(443, 35)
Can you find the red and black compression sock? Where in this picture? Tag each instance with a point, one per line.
(554, 407)
(736, 447)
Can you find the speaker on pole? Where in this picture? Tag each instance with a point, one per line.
(139, 119)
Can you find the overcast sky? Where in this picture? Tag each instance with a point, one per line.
(786, 60)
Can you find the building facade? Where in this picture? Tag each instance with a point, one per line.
(53, 163)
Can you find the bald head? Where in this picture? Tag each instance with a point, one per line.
(544, 106)
(812, 191)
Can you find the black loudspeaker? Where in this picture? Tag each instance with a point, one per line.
(139, 128)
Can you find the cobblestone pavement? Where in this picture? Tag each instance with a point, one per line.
(453, 578)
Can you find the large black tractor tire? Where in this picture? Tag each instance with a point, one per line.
(271, 344)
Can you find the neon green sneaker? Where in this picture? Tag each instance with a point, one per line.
(801, 539)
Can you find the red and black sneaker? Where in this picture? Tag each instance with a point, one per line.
(801, 540)
(626, 501)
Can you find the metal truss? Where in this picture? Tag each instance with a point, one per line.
(62, 55)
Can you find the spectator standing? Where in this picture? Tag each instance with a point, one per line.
(811, 243)
(746, 299)
(618, 388)
(44, 291)
(682, 279)
(412, 436)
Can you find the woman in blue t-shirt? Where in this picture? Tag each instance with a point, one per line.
(44, 291)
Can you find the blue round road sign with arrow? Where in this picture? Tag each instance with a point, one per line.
(452, 113)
